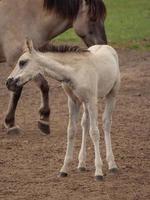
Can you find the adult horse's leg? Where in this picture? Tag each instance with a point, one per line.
(10, 116)
(85, 130)
(44, 110)
(2, 56)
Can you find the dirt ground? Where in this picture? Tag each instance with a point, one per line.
(29, 163)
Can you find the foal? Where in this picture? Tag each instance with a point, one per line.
(85, 75)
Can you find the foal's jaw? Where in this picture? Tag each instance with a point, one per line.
(13, 84)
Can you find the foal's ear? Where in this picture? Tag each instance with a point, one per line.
(28, 46)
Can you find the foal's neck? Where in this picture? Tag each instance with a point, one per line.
(53, 68)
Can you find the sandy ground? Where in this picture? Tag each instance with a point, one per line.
(29, 164)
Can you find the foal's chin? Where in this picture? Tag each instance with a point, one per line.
(16, 87)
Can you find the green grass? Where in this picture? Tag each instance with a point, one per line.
(127, 24)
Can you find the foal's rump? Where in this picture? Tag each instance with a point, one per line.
(106, 55)
(103, 49)
(105, 59)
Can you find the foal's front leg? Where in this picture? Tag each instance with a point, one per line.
(44, 111)
(74, 108)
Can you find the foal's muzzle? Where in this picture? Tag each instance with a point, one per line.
(12, 84)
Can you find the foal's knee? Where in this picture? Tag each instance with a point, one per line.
(106, 123)
(94, 134)
(85, 120)
(71, 133)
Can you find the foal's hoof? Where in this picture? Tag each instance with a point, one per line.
(81, 169)
(44, 127)
(62, 174)
(14, 131)
(114, 170)
(99, 178)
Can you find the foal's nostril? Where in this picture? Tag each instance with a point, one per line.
(9, 82)
(16, 81)
(12, 84)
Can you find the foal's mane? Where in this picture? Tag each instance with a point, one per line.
(69, 8)
(61, 48)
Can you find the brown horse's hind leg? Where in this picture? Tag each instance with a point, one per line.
(44, 110)
(2, 56)
(9, 122)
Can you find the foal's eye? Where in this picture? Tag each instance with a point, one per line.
(22, 63)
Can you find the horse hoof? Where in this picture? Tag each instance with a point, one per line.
(99, 178)
(14, 131)
(114, 170)
(62, 174)
(81, 169)
(44, 127)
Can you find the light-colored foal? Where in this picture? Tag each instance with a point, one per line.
(85, 76)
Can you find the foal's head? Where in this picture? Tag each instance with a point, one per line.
(89, 23)
(25, 70)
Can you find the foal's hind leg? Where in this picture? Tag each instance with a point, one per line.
(9, 122)
(44, 110)
(95, 136)
(85, 130)
(107, 119)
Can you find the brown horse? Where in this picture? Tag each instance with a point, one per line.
(42, 20)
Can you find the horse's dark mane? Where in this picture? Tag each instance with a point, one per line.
(65, 8)
(69, 8)
(97, 9)
(61, 48)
